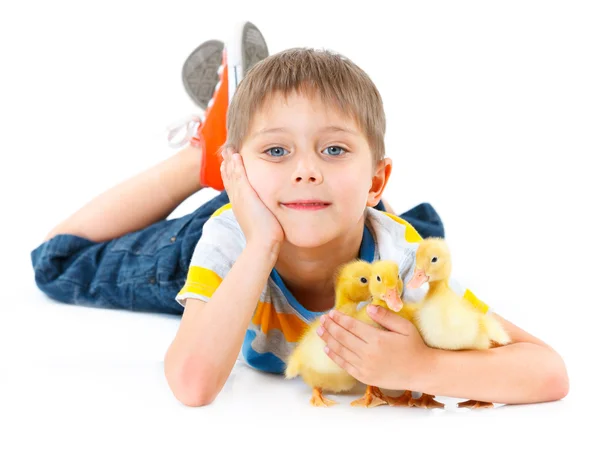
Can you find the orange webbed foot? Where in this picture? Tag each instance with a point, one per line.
(403, 400)
(373, 397)
(318, 400)
(426, 401)
(472, 404)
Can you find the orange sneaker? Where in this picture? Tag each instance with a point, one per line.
(209, 132)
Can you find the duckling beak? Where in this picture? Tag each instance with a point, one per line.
(418, 279)
(392, 299)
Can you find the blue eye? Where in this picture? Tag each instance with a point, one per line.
(335, 150)
(277, 151)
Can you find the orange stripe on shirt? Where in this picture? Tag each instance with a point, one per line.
(205, 282)
(268, 319)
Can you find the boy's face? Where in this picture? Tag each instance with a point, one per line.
(300, 150)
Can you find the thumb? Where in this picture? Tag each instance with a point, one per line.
(390, 320)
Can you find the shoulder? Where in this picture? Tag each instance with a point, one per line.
(389, 225)
(395, 239)
(222, 226)
(222, 239)
(224, 218)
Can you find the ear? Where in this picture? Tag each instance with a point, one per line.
(379, 181)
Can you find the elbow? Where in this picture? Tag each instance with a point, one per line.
(557, 386)
(190, 383)
(195, 399)
(557, 382)
(193, 396)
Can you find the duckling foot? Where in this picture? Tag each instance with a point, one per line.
(373, 397)
(318, 400)
(426, 401)
(476, 404)
(400, 400)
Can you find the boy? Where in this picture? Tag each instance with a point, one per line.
(304, 168)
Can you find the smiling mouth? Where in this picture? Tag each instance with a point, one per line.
(306, 205)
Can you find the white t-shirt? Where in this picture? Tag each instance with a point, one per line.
(279, 319)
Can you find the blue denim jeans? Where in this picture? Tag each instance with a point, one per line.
(144, 270)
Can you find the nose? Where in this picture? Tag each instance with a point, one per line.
(307, 170)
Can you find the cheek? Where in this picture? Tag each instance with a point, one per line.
(262, 179)
(352, 186)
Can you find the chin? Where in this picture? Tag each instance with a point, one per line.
(303, 237)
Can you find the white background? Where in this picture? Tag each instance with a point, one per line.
(493, 113)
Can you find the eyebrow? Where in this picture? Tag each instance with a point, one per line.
(274, 130)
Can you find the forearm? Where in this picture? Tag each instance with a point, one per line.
(210, 337)
(518, 373)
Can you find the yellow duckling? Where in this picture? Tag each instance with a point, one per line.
(386, 288)
(445, 319)
(308, 358)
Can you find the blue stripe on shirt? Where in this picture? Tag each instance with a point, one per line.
(266, 362)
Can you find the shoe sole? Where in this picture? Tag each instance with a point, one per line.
(200, 71)
(247, 47)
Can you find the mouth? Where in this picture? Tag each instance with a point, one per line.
(418, 279)
(310, 205)
(392, 299)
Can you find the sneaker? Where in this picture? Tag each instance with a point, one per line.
(246, 47)
(199, 72)
(209, 131)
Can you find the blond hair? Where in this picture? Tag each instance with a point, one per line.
(336, 79)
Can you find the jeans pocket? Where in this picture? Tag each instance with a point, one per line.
(150, 240)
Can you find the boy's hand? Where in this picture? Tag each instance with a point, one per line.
(394, 358)
(257, 222)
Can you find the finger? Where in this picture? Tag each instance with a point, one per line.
(363, 331)
(336, 345)
(224, 173)
(237, 167)
(230, 166)
(352, 370)
(390, 320)
(225, 169)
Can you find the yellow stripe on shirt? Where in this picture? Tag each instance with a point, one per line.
(205, 282)
(475, 301)
(221, 210)
(201, 281)
(411, 235)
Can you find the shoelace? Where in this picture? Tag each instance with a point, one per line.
(181, 132)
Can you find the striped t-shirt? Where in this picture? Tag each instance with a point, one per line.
(279, 319)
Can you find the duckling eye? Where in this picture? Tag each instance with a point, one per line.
(378, 278)
(434, 259)
(363, 280)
